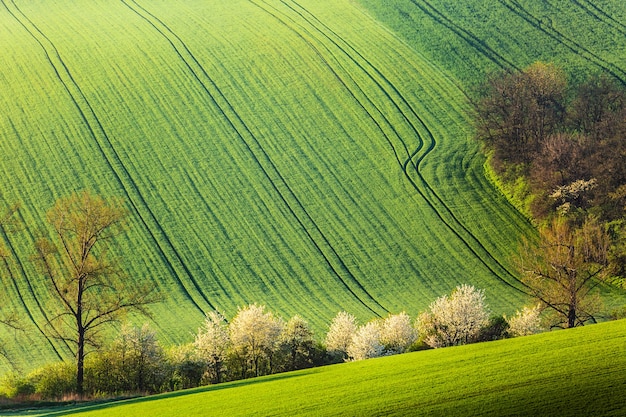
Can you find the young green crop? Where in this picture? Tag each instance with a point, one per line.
(293, 154)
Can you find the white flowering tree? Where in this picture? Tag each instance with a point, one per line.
(455, 319)
(366, 342)
(254, 335)
(212, 343)
(340, 333)
(525, 322)
(397, 333)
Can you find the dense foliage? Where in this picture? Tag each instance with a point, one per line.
(566, 141)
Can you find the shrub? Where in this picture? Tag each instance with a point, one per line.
(187, 370)
(454, 320)
(397, 334)
(497, 328)
(16, 386)
(340, 333)
(525, 322)
(366, 342)
(54, 381)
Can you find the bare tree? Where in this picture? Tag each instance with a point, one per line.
(90, 288)
(565, 268)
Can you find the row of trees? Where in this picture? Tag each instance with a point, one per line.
(92, 292)
(257, 342)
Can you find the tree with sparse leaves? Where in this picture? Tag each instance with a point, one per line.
(297, 339)
(519, 110)
(90, 288)
(565, 268)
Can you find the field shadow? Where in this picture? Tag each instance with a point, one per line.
(107, 404)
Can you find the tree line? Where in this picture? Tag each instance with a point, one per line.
(257, 342)
(560, 149)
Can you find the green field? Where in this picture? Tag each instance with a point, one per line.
(572, 372)
(312, 155)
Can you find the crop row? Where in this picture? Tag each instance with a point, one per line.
(295, 154)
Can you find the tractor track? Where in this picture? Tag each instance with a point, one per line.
(269, 169)
(166, 248)
(16, 287)
(516, 8)
(599, 14)
(464, 34)
(414, 159)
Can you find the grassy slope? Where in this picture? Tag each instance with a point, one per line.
(292, 154)
(471, 40)
(572, 372)
(474, 38)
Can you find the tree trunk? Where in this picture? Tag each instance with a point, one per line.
(80, 362)
(571, 317)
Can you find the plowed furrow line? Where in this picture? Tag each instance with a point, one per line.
(464, 34)
(24, 276)
(403, 106)
(166, 249)
(262, 159)
(17, 289)
(570, 44)
(601, 15)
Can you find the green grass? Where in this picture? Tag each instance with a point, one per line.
(472, 39)
(295, 154)
(570, 372)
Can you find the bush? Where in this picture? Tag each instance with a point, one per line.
(187, 370)
(525, 322)
(54, 381)
(496, 329)
(15, 386)
(454, 320)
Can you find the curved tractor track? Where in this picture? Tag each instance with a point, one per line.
(602, 16)
(515, 7)
(481, 46)
(410, 164)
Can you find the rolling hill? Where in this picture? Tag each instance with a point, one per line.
(566, 373)
(313, 156)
